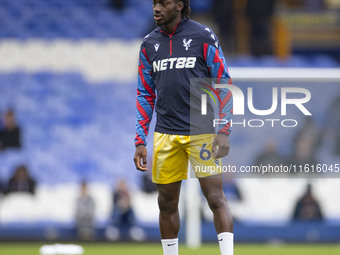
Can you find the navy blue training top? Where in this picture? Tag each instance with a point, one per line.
(167, 63)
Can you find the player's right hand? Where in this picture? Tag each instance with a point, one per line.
(140, 158)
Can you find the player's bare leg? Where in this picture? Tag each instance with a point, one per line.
(212, 188)
(168, 196)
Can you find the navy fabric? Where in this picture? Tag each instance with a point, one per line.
(167, 64)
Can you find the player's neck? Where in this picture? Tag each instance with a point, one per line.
(169, 28)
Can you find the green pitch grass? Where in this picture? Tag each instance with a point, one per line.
(155, 249)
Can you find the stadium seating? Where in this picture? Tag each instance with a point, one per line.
(75, 130)
(75, 19)
(69, 72)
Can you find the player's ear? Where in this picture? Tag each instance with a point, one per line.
(180, 6)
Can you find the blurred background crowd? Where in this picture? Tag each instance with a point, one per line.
(68, 74)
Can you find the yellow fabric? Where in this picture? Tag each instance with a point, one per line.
(171, 154)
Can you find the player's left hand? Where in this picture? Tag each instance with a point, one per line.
(220, 146)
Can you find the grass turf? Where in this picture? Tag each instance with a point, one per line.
(155, 249)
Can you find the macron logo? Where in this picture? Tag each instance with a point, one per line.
(156, 46)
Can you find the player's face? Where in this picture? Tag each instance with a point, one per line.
(166, 11)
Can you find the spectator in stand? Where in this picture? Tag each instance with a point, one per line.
(85, 210)
(307, 207)
(270, 156)
(306, 143)
(312, 131)
(123, 217)
(303, 153)
(260, 13)
(21, 181)
(10, 133)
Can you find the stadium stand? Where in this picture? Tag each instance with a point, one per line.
(69, 68)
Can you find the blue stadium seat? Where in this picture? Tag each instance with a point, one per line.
(201, 5)
(73, 19)
(66, 134)
(324, 61)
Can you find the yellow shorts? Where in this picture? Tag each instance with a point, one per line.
(171, 154)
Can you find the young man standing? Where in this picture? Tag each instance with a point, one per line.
(174, 53)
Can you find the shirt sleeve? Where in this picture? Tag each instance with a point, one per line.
(218, 70)
(146, 97)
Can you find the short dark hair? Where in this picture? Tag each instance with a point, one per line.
(186, 9)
